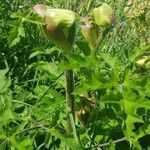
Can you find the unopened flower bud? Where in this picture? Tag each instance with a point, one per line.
(58, 24)
(141, 62)
(89, 32)
(104, 16)
(60, 17)
(148, 65)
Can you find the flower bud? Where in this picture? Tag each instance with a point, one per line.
(89, 32)
(104, 16)
(60, 17)
(148, 65)
(40, 9)
(83, 115)
(144, 62)
(141, 62)
(58, 24)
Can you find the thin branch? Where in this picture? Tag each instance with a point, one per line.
(4, 142)
(33, 128)
(109, 143)
(17, 101)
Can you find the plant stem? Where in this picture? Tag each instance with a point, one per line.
(112, 142)
(70, 101)
(70, 98)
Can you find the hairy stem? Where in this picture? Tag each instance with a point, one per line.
(70, 98)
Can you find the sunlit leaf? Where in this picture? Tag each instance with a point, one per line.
(68, 141)
(16, 33)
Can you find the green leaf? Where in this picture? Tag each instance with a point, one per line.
(17, 31)
(147, 88)
(42, 51)
(112, 97)
(74, 61)
(22, 144)
(138, 51)
(20, 14)
(48, 100)
(3, 135)
(51, 93)
(5, 98)
(67, 140)
(5, 108)
(4, 83)
(131, 103)
(49, 67)
(76, 58)
(111, 60)
(15, 34)
(91, 84)
(28, 16)
(131, 136)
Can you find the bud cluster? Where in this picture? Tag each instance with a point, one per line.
(102, 16)
(60, 24)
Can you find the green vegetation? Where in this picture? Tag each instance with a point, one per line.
(75, 75)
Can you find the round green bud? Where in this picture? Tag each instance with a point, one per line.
(103, 15)
(59, 24)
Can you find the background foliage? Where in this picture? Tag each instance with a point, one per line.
(32, 84)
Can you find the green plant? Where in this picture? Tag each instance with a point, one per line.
(104, 83)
